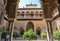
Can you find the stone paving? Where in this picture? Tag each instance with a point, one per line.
(28, 40)
(32, 40)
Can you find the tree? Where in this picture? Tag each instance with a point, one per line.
(44, 35)
(30, 35)
(4, 33)
(15, 34)
(56, 35)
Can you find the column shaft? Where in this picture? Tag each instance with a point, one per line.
(10, 30)
(51, 31)
(47, 30)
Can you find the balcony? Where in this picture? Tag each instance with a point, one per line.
(29, 17)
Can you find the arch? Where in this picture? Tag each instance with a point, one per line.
(22, 12)
(36, 12)
(32, 12)
(30, 25)
(38, 31)
(21, 31)
(15, 28)
(27, 12)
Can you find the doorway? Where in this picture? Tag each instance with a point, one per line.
(30, 25)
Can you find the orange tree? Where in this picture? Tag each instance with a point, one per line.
(56, 35)
(30, 35)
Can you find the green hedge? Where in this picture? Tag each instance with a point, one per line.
(15, 34)
(4, 33)
(43, 34)
(56, 35)
(30, 34)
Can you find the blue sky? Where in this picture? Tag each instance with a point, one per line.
(23, 3)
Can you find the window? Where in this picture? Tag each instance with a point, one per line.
(38, 31)
(36, 12)
(36, 15)
(31, 15)
(18, 13)
(22, 12)
(40, 11)
(22, 15)
(32, 12)
(15, 29)
(27, 12)
(41, 15)
(21, 32)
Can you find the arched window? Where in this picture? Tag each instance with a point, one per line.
(41, 15)
(27, 12)
(38, 31)
(21, 31)
(22, 15)
(15, 28)
(30, 25)
(32, 12)
(36, 12)
(18, 13)
(40, 11)
(22, 12)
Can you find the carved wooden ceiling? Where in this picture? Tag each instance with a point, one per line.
(59, 1)
(12, 6)
(49, 6)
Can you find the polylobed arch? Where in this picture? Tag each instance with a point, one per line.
(30, 25)
(38, 31)
(21, 31)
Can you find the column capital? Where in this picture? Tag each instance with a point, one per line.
(10, 19)
(49, 19)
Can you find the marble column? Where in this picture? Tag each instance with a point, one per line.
(10, 29)
(49, 30)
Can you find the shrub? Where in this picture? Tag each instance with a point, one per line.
(56, 35)
(15, 34)
(43, 35)
(26, 36)
(30, 34)
(4, 33)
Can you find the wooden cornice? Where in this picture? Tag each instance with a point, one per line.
(58, 1)
(29, 8)
(49, 6)
(56, 17)
(28, 19)
(11, 8)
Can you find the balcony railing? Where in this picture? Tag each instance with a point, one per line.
(29, 17)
